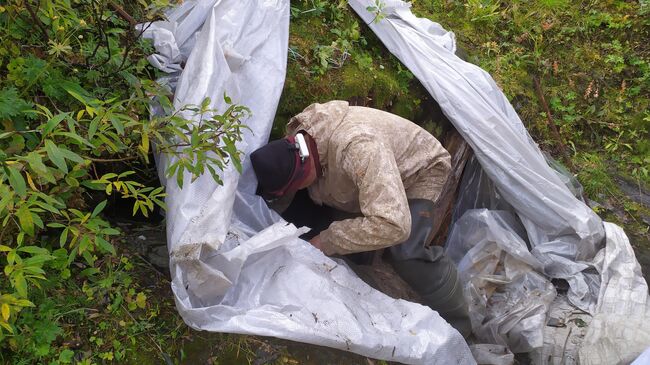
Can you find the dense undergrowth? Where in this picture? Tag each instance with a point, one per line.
(76, 136)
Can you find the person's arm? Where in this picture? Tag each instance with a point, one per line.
(386, 220)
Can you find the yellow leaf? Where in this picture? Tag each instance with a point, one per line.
(30, 181)
(145, 144)
(5, 311)
(141, 300)
(7, 327)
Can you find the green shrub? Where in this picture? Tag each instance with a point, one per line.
(74, 101)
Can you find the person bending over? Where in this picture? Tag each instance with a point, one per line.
(385, 170)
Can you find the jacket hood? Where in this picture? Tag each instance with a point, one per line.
(320, 121)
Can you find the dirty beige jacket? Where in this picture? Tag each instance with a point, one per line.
(372, 161)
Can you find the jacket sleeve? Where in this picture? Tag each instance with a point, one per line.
(386, 219)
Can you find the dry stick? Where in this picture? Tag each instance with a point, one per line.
(551, 123)
(128, 158)
(152, 267)
(123, 13)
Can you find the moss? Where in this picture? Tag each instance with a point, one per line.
(369, 76)
(385, 89)
(354, 82)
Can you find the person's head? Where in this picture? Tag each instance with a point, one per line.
(281, 168)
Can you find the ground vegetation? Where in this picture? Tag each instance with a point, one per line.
(76, 144)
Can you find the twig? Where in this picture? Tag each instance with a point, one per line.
(123, 13)
(58, 316)
(38, 23)
(102, 34)
(550, 122)
(110, 159)
(130, 45)
(152, 267)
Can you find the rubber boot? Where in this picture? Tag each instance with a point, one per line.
(428, 271)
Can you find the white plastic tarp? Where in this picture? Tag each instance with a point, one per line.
(238, 267)
(235, 265)
(565, 235)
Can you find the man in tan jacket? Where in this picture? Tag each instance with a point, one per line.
(387, 172)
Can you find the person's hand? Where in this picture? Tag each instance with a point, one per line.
(316, 242)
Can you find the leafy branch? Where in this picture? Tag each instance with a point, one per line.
(192, 143)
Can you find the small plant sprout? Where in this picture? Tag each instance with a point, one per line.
(378, 10)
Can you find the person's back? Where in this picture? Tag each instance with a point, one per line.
(422, 162)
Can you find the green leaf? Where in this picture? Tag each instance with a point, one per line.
(76, 91)
(36, 164)
(94, 185)
(49, 208)
(65, 357)
(63, 239)
(195, 137)
(144, 147)
(25, 219)
(89, 272)
(180, 175)
(37, 261)
(104, 245)
(53, 123)
(17, 182)
(6, 198)
(55, 155)
(34, 250)
(231, 149)
(38, 222)
(205, 104)
(11, 258)
(11, 105)
(117, 124)
(71, 155)
(92, 128)
(108, 142)
(75, 137)
(98, 209)
(90, 260)
(20, 284)
(84, 244)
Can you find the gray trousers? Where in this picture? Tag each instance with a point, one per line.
(428, 271)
